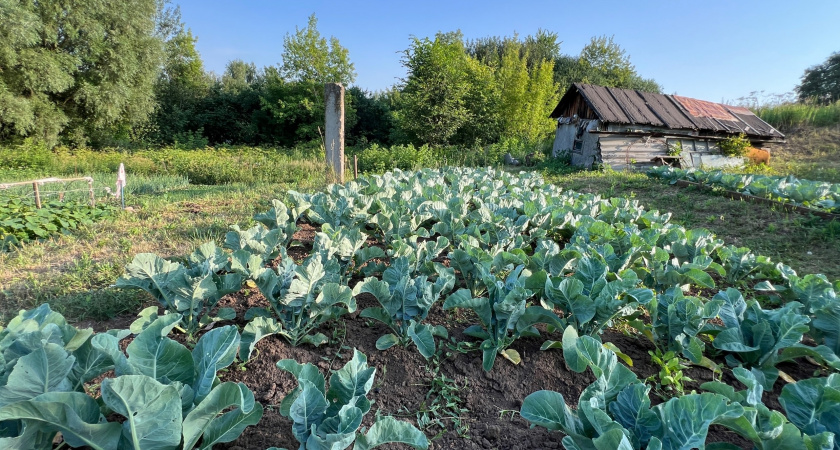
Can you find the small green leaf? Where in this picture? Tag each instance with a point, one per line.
(387, 341)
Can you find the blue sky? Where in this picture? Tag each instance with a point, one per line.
(712, 50)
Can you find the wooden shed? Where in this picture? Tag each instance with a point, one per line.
(624, 128)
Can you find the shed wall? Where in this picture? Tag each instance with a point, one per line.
(564, 139)
(621, 152)
(585, 151)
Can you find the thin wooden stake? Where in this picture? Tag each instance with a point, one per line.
(37, 195)
(355, 166)
(92, 196)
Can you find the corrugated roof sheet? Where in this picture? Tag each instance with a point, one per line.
(632, 107)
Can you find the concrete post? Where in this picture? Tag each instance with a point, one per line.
(334, 129)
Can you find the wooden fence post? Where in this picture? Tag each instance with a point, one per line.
(37, 195)
(334, 128)
(355, 166)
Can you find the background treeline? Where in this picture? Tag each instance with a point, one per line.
(96, 75)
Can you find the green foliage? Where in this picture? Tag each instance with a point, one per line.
(762, 339)
(735, 145)
(788, 189)
(670, 377)
(307, 57)
(167, 396)
(812, 405)
(213, 166)
(190, 289)
(526, 95)
(21, 221)
(615, 411)
(329, 418)
(378, 159)
(301, 298)
(767, 429)
(503, 315)
(374, 117)
(433, 99)
(821, 83)
(71, 71)
(181, 86)
(675, 149)
(406, 301)
(602, 62)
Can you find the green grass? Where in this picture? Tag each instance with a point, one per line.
(809, 153)
(788, 116)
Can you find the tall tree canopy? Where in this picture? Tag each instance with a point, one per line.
(72, 69)
(605, 63)
(308, 57)
(821, 82)
(433, 100)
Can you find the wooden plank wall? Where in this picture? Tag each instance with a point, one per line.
(620, 152)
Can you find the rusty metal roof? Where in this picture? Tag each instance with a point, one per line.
(633, 107)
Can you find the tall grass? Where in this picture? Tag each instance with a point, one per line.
(209, 166)
(788, 116)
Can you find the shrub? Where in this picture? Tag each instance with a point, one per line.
(734, 146)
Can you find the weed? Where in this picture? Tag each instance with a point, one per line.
(670, 377)
(443, 402)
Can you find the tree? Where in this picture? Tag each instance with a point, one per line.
(528, 93)
(227, 113)
(512, 80)
(72, 69)
(601, 62)
(605, 60)
(375, 120)
(181, 86)
(308, 57)
(821, 82)
(433, 100)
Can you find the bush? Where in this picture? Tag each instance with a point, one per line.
(377, 158)
(734, 146)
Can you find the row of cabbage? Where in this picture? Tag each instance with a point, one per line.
(502, 234)
(812, 194)
(514, 250)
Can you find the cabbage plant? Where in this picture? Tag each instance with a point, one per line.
(301, 298)
(503, 315)
(589, 301)
(676, 321)
(615, 411)
(329, 418)
(168, 396)
(190, 290)
(765, 428)
(813, 405)
(406, 302)
(761, 339)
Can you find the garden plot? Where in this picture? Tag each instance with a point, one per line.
(486, 302)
